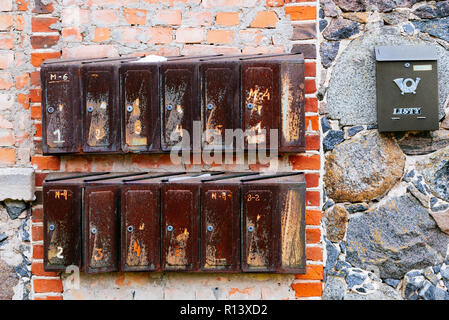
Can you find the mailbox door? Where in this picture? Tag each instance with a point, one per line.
(100, 119)
(179, 102)
(407, 95)
(180, 228)
(62, 227)
(220, 100)
(140, 229)
(139, 104)
(259, 234)
(101, 229)
(220, 228)
(292, 230)
(60, 109)
(260, 102)
(292, 119)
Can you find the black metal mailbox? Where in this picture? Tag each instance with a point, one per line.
(407, 88)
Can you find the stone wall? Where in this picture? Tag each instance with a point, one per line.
(386, 207)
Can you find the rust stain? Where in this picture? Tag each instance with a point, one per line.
(137, 255)
(178, 248)
(99, 124)
(237, 290)
(173, 122)
(292, 246)
(134, 127)
(290, 118)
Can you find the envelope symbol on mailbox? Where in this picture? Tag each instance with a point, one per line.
(407, 85)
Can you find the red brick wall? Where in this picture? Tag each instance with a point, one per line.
(110, 27)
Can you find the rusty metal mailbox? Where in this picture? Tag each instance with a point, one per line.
(220, 223)
(101, 222)
(273, 224)
(272, 97)
(407, 88)
(62, 203)
(141, 223)
(100, 106)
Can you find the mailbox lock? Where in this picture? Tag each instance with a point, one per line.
(250, 228)
(170, 228)
(51, 109)
(250, 106)
(169, 107)
(90, 108)
(130, 229)
(210, 228)
(129, 108)
(94, 230)
(51, 227)
(407, 65)
(210, 106)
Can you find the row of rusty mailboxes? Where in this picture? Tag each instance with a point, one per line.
(203, 222)
(132, 105)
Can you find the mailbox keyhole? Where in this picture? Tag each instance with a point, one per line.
(250, 106)
(250, 228)
(210, 228)
(90, 109)
(169, 107)
(51, 109)
(170, 228)
(51, 227)
(94, 230)
(210, 106)
(129, 108)
(130, 229)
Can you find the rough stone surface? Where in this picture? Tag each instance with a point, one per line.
(359, 207)
(435, 170)
(329, 8)
(363, 168)
(328, 52)
(431, 11)
(382, 292)
(334, 289)
(332, 256)
(340, 29)
(374, 5)
(333, 138)
(395, 237)
(336, 220)
(422, 142)
(15, 208)
(396, 17)
(437, 27)
(8, 281)
(351, 93)
(442, 220)
(17, 184)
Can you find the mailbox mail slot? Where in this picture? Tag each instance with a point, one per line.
(220, 223)
(179, 100)
(407, 88)
(100, 106)
(273, 224)
(101, 223)
(272, 97)
(140, 223)
(62, 220)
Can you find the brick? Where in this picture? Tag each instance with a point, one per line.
(22, 5)
(227, 18)
(35, 78)
(220, 36)
(7, 137)
(308, 49)
(171, 17)
(46, 162)
(6, 59)
(313, 198)
(42, 24)
(37, 269)
(310, 86)
(221, 3)
(127, 34)
(105, 17)
(209, 49)
(39, 178)
(313, 142)
(72, 34)
(275, 3)
(38, 251)
(38, 127)
(160, 35)
(305, 162)
(20, 25)
(20, 59)
(313, 289)
(6, 41)
(203, 18)
(37, 215)
(6, 81)
(24, 100)
(35, 113)
(102, 34)
(75, 17)
(43, 42)
(90, 51)
(313, 272)
(49, 298)
(311, 105)
(310, 69)
(189, 35)
(38, 57)
(312, 123)
(40, 7)
(264, 19)
(135, 16)
(35, 95)
(37, 233)
(313, 217)
(22, 80)
(262, 49)
(78, 164)
(47, 285)
(304, 31)
(312, 179)
(301, 13)
(5, 5)
(6, 22)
